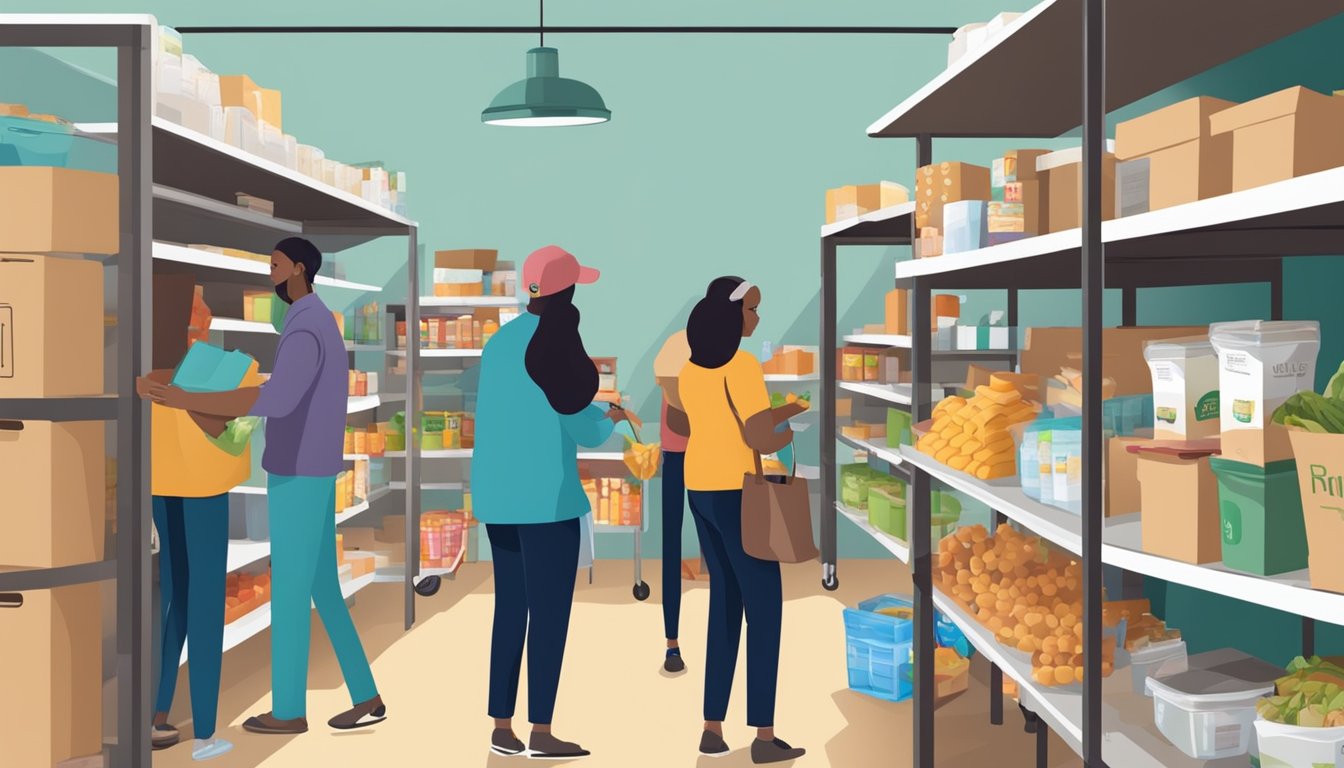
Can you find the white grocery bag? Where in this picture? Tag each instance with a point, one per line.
(586, 541)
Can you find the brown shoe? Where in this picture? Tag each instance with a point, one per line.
(164, 736)
(371, 712)
(267, 724)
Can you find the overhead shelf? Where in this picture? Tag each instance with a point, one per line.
(1027, 82)
(896, 394)
(362, 404)
(217, 266)
(205, 167)
(1246, 230)
(349, 513)
(888, 226)
(892, 544)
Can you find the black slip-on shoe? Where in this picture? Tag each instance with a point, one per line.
(673, 662)
(504, 742)
(776, 751)
(371, 712)
(268, 725)
(713, 745)
(544, 746)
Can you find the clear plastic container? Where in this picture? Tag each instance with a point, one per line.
(1291, 746)
(32, 141)
(1159, 660)
(1209, 712)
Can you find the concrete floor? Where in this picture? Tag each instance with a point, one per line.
(614, 699)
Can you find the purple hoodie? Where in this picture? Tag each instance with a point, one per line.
(306, 398)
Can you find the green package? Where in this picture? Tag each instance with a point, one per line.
(236, 435)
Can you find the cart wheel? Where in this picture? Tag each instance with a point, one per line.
(830, 583)
(641, 591)
(428, 586)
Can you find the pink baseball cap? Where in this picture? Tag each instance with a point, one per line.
(552, 269)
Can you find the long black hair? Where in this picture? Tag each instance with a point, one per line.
(556, 359)
(714, 329)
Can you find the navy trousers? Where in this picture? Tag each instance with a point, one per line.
(738, 582)
(674, 513)
(535, 567)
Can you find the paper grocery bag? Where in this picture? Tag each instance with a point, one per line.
(1320, 476)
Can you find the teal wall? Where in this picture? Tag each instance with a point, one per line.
(714, 163)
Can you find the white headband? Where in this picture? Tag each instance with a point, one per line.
(741, 291)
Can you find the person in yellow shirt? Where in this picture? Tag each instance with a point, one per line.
(190, 480)
(723, 395)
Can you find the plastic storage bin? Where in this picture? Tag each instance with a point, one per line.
(1260, 509)
(1291, 746)
(878, 648)
(886, 510)
(1209, 712)
(1161, 660)
(25, 141)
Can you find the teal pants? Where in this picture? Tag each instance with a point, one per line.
(302, 513)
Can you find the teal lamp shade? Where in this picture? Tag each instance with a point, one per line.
(546, 99)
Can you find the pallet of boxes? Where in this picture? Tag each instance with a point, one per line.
(55, 472)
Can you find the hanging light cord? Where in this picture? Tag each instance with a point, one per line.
(542, 28)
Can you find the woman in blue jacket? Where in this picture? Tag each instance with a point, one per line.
(534, 408)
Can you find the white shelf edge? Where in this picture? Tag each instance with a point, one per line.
(349, 513)
(444, 353)
(400, 485)
(889, 455)
(454, 453)
(883, 214)
(880, 340)
(234, 325)
(897, 394)
(892, 544)
(248, 490)
(182, 254)
(781, 378)
(362, 404)
(245, 552)
(469, 301)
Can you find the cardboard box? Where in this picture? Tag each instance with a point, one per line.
(1283, 135)
(937, 185)
(1050, 349)
(898, 312)
(1180, 508)
(1260, 447)
(1320, 476)
(1123, 495)
(58, 210)
(54, 674)
(51, 326)
(1133, 179)
(474, 258)
(1187, 162)
(855, 200)
(241, 91)
(928, 246)
(1063, 171)
(53, 476)
(270, 107)
(844, 408)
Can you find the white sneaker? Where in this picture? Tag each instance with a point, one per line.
(207, 749)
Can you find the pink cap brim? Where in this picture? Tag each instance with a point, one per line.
(588, 276)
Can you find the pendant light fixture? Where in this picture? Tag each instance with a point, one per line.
(545, 99)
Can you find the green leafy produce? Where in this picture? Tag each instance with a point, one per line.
(1313, 412)
(1311, 695)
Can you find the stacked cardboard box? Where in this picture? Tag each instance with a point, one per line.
(938, 185)
(853, 201)
(1291, 133)
(1019, 197)
(791, 361)
(1063, 173)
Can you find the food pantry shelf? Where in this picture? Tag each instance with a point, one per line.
(234, 325)
(189, 161)
(891, 225)
(898, 394)
(893, 545)
(889, 455)
(253, 623)
(1299, 216)
(439, 353)
(400, 485)
(1007, 497)
(982, 93)
(230, 266)
(351, 512)
(456, 302)
(453, 453)
(244, 552)
(362, 403)
(789, 377)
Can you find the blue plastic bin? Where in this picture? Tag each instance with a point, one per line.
(879, 648)
(24, 141)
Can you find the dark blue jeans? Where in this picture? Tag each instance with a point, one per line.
(674, 513)
(193, 563)
(738, 581)
(535, 567)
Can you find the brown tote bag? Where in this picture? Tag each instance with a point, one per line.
(776, 517)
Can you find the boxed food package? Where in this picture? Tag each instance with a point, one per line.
(1286, 134)
(1180, 501)
(241, 91)
(270, 107)
(1048, 350)
(1187, 162)
(1261, 364)
(1063, 171)
(948, 182)
(1263, 526)
(55, 677)
(1133, 179)
(855, 200)
(52, 477)
(51, 326)
(1185, 388)
(475, 258)
(58, 210)
(928, 244)
(791, 361)
(965, 226)
(898, 312)
(1320, 477)
(1123, 490)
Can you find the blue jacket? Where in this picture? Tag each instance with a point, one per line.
(525, 468)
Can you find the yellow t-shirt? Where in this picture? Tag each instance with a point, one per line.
(183, 461)
(717, 456)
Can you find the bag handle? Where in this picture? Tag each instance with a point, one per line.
(742, 428)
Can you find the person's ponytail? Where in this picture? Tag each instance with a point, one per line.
(556, 359)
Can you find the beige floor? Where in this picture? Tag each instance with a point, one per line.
(614, 697)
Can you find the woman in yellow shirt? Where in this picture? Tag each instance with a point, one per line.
(723, 395)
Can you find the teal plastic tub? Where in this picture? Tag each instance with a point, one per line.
(1260, 509)
(24, 141)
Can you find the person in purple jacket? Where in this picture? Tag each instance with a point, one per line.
(304, 404)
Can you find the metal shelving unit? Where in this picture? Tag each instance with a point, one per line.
(1097, 56)
(174, 185)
